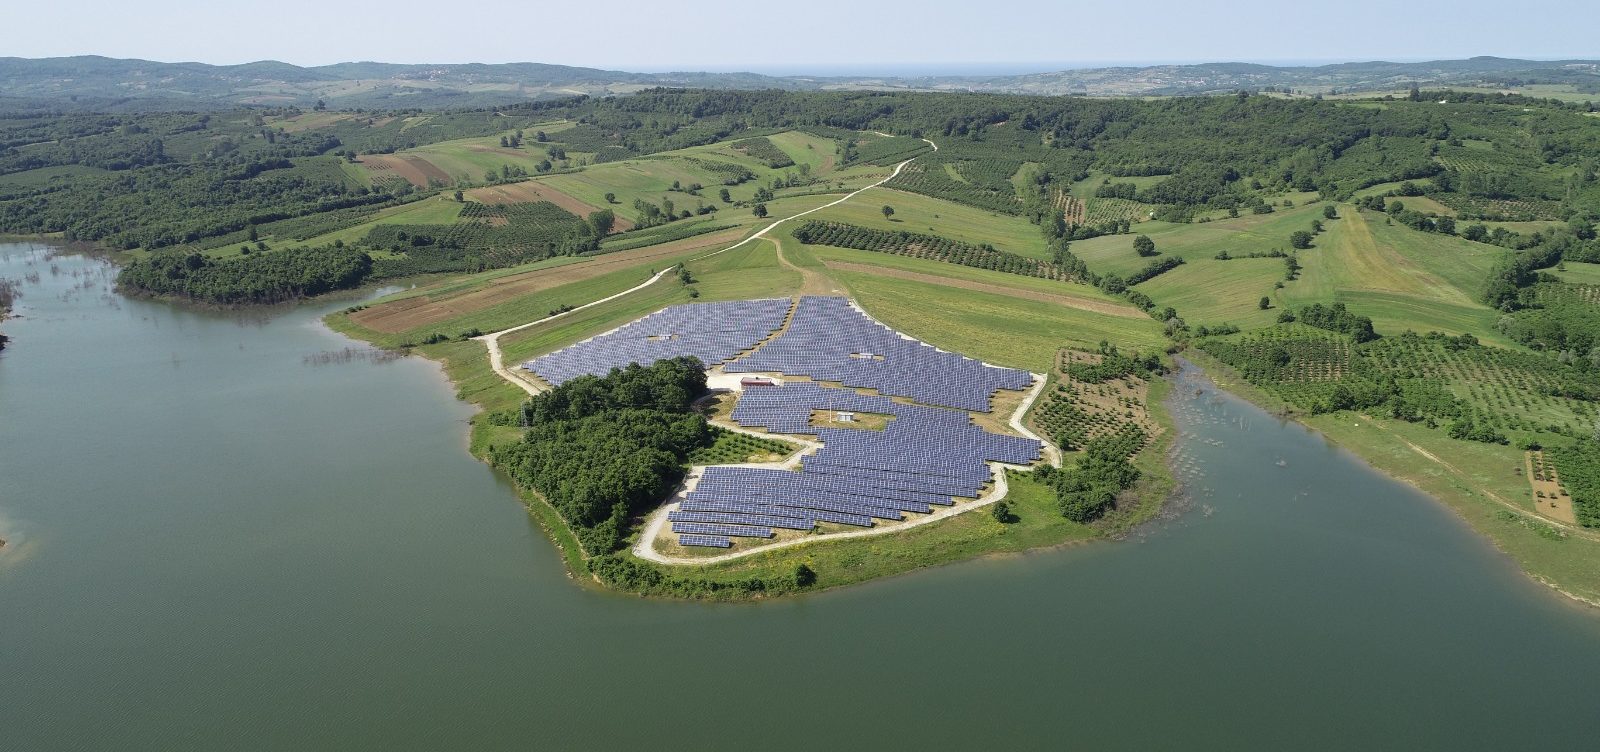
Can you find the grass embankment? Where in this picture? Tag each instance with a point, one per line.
(1478, 481)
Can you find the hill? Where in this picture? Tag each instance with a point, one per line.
(93, 83)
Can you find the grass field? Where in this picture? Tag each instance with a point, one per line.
(923, 214)
(43, 176)
(1579, 273)
(995, 328)
(1252, 233)
(1215, 292)
(435, 210)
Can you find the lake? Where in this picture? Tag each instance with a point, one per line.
(245, 531)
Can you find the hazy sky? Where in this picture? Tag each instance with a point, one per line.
(797, 36)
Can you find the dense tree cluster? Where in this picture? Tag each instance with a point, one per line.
(257, 278)
(1087, 490)
(602, 450)
(1155, 269)
(1337, 318)
(1578, 466)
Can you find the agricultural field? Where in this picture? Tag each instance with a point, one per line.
(1487, 394)
(1511, 210)
(1074, 412)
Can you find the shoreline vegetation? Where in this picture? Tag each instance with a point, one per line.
(1533, 542)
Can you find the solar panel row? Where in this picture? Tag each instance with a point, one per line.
(708, 541)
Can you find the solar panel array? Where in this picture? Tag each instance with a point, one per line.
(831, 340)
(712, 332)
(924, 457)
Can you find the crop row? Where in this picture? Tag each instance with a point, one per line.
(933, 247)
(931, 180)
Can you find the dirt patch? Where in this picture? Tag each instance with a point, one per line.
(1082, 304)
(423, 310)
(1549, 498)
(531, 191)
(413, 169)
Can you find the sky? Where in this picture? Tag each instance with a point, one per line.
(823, 36)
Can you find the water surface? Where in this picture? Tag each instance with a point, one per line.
(227, 533)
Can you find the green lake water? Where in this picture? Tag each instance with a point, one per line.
(226, 532)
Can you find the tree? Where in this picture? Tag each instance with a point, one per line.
(1329, 212)
(1144, 246)
(459, 197)
(611, 198)
(1316, 226)
(1300, 239)
(888, 211)
(1446, 225)
(727, 198)
(601, 222)
(1265, 303)
(760, 210)
(1001, 511)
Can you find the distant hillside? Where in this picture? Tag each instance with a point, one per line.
(100, 83)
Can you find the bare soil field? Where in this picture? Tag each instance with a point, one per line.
(532, 190)
(1549, 498)
(422, 310)
(1082, 304)
(415, 170)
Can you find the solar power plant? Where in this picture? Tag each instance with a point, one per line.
(925, 457)
(712, 332)
(831, 340)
